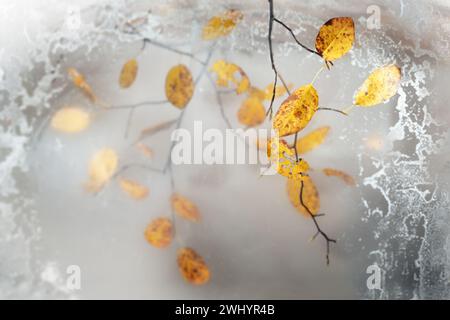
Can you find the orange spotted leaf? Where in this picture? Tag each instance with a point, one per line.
(192, 266)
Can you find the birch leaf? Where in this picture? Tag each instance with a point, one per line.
(79, 81)
(222, 25)
(380, 86)
(286, 163)
(310, 195)
(228, 73)
(70, 119)
(312, 140)
(348, 179)
(159, 233)
(133, 189)
(335, 38)
(192, 266)
(179, 86)
(185, 208)
(296, 111)
(252, 112)
(128, 73)
(279, 91)
(101, 168)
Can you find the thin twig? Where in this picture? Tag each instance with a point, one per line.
(293, 36)
(138, 104)
(175, 50)
(319, 230)
(271, 19)
(332, 109)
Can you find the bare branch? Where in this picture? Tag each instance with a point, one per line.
(295, 38)
(319, 230)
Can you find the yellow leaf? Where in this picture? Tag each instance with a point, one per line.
(252, 112)
(348, 179)
(380, 86)
(146, 150)
(296, 111)
(231, 73)
(185, 208)
(133, 189)
(192, 266)
(159, 233)
(222, 25)
(286, 163)
(256, 93)
(179, 86)
(79, 81)
(128, 73)
(101, 168)
(310, 195)
(279, 91)
(312, 140)
(335, 38)
(70, 119)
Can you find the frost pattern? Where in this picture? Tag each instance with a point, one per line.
(410, 233)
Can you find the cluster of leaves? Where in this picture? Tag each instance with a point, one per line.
(335, 38)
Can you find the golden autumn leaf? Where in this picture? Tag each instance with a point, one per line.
(252, 112)
(101, 168)
(179, 86)
(380, 86)
(230, 73)
(312, 140)
(192, 266)
(296, 111)
(257, 93)
(279, 91)
(222, 25)
(128, 73)
(283, 157)
(133, 189)
(348, 179)
(310, 195)
(185, 208)
(70, 119)
(159, 233)
(335, 38)
(79, 81)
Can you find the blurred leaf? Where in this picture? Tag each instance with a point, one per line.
(133, 189)
(179, 86)
(252, 112)
(159, 233)
(128, 73)
(192, 266)
(185, 208)
(231, 73)
(380, 86)
(79, 81)
(70, 119)
(146, 150)
(348, 179)
(279, 91)
(335, 38)
(219, 26)
(156, 128)
(310, 195)
(312, 140)
(102, 167)
(296, 111)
